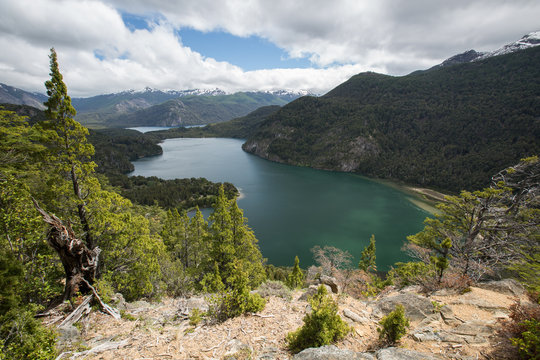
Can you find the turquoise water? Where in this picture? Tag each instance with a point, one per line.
(291, 209)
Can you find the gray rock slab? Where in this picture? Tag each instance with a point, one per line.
(506, 286)
(416, 307)
(330, 352)
(404, 354)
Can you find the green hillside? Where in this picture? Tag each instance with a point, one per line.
(240, 128)
(449, 128)
(196, 110)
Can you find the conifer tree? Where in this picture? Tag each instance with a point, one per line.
(368, 258)
(296, 277)
(70, 152)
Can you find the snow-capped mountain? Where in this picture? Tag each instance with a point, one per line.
(527, 41)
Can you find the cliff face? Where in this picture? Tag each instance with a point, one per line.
(444, 325)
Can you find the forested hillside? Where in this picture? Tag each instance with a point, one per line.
(240, 128)
(448, 128)
(197, 110)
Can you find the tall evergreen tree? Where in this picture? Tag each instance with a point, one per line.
(368, 258)
(70, 152)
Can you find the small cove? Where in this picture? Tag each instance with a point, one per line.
(291, 209)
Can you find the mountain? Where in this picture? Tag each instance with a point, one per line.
(526, 42)
(197, 110)
(240, 128)
(153, 107)
(449, 128)
(12, 95)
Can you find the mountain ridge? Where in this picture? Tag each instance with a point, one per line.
(449, 128)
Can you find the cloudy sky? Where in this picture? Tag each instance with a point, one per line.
(113, 45)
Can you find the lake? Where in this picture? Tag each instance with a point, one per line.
(291, 209)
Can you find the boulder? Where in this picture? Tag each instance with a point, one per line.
(331, 352)
(330, 281)
(473, 328)
(235, 349)
(68, 334)
(506, 286)
(312, 290)
(355, 317)
(404, 354)
(269, 353)
(416, 307)
(118, 301)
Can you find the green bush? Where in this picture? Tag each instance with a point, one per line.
(23, 337)
(394, 326)
(236, 299)
(322, 326)
(195, 317)
(528, 343)
(409, 273)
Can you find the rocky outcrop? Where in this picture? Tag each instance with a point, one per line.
(417, 307)
(394, 353)
(331, 352)
(506, 286)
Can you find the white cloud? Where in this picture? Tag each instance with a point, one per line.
(341, 38)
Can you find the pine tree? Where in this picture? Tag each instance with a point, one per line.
(368, 258)
(70, 152)
(296, 277)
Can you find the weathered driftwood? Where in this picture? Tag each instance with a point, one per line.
(82, 309)
(108, 309)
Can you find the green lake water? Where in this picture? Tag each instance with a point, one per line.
(291, 209)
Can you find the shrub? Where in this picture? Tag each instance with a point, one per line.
(322, 326)
(393, 326)
(528, 343)
(195, 317)
(409, 273)
(236, 299)
(520, 333)
(23, 337)
(274, 288)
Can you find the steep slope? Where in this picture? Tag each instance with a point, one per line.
(13, 95)
(448, 128)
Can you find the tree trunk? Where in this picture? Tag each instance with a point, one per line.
(80, 263)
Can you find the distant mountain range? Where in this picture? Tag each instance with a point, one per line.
(152, 107)
(450, 128)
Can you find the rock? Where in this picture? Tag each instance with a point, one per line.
(416, 307)
(404, 354)
(425, 334)
(448, 316)
(473, 328)
(68, 334)
(186, 306)
(312, 290)
(506, 286)
(118, 301)
(330, 352)
(269, 353)
(330, 281)
(355, 317)
(235, 349)
(433, 319)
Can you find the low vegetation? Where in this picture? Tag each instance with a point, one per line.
(322, 326)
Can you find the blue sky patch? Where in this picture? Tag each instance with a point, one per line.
(135, 22)
(250, 53)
